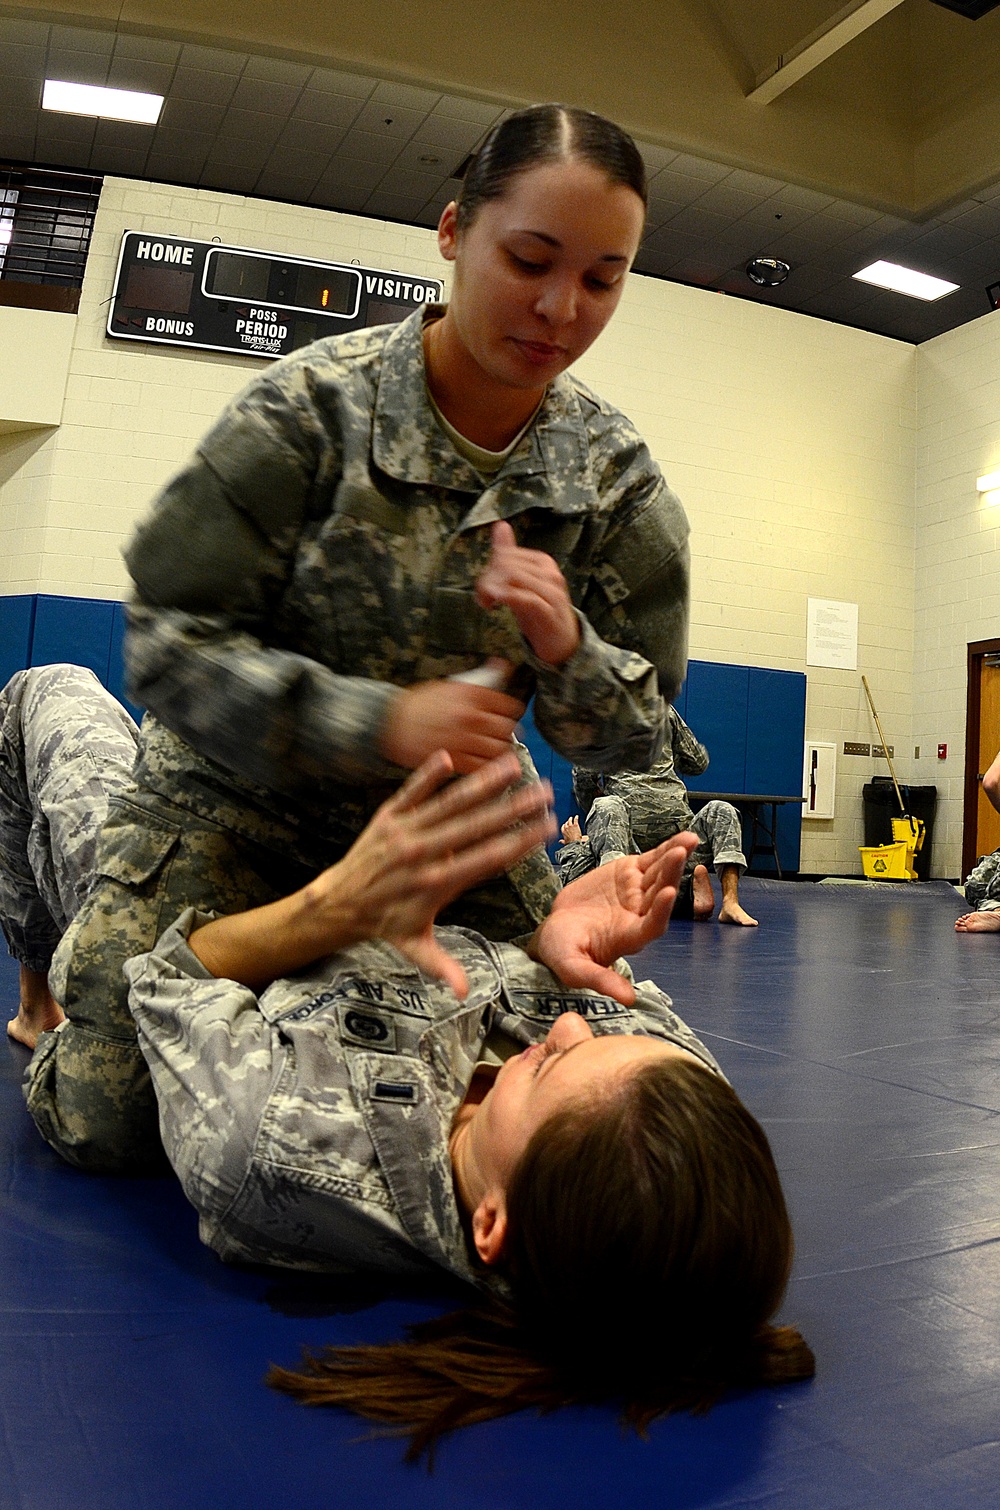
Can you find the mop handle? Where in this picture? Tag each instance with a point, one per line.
(892, 773)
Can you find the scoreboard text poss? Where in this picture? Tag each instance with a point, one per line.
(177, 292)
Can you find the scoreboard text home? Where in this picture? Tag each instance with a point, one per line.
(177, 292)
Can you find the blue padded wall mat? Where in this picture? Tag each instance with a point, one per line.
(855, 1023)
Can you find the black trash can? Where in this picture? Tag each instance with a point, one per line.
(881, 807)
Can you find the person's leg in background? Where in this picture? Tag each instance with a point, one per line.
(66, 747)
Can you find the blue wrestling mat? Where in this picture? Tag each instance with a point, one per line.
(857, 1025)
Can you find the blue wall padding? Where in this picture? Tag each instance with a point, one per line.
(73, 629)
(717, 711)
(776, 706)
(116, 664)
(17, 616)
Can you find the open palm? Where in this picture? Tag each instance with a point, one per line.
(617, 909)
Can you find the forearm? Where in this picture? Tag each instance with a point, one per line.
(273, 716)
(991, 784)
(602, 709)
(256, 947)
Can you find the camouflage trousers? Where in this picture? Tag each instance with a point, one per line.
(613, 828)
(982, 889)
(66, 748)
(151, 850)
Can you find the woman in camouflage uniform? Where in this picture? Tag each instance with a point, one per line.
(372, 516)
(330, 1102)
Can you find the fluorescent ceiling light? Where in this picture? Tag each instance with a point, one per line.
(988, 483)
(904, 280)
(111, 104)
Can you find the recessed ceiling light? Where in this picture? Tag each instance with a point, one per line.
(110, 104)
(905, 280)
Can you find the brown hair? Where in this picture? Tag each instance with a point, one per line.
(648, 1246)
(543, 134)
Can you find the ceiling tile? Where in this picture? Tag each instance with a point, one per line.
(806, 199)
(23, 33)
(357, 86)
(82, 39)
(368, 148)
(238, 153)
(124, 160)
(278, 71)
(295, 164)
(204, 87)
(389, 120)
(406, 97)
(678, 188)
(189, 115)
(698, 167)
(327, 109)
(655, 157)
(675, 242)
(693, 221)
(449, 137)
(230, 179)
(393, 206)
(17, 148)
(276, 185)
(178, 154)
(261, 95)
(134, 73)
(723, 200)
(411, 158)
(24, 94)
(76, 67)
(982, 220)
(212, 59)
(250, 128)
(339, 197)
(462, 109)
(62, 154)
(310, 136)
(54, 126)
(753, 183)
(147, 49)
(21, 61)
(348, 174)
(124, 134)
(413, 185)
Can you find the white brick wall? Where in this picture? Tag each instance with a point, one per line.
(957, 561)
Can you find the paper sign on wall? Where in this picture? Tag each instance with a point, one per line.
(832, 634)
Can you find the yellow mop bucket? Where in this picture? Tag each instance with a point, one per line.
(894, 862)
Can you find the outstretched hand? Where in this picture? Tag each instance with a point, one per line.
(426, 845)
(429, 842)
(534, 589)
(617, 909)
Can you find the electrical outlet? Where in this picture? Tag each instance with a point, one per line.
(884, 750)
(850, 748)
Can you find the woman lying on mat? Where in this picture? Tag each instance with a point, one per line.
(342, 1086)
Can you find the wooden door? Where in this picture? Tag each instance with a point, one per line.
(987, 818)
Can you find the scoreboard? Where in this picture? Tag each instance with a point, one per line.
(173, 291)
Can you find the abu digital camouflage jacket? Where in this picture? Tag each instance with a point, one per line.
(322, 546)
(309, 1127)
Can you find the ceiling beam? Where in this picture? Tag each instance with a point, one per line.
(821, 44)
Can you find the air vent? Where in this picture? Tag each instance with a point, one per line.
(972, 9)
(46, 217)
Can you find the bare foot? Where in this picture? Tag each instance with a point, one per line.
(38, 1011)
(978, 922)
(732, 912)
(702, 895)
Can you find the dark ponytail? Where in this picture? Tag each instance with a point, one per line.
(543, 134)
(648, 1247)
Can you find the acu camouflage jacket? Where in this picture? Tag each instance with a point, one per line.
(321, 549)
(309, 1127)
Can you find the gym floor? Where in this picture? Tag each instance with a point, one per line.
(861, 1030)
